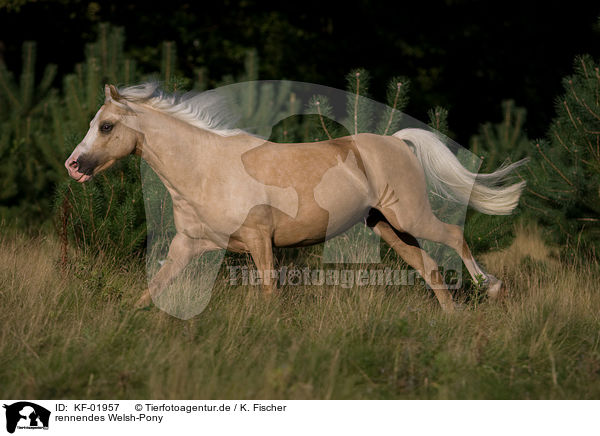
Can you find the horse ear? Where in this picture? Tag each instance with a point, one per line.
(111, 93)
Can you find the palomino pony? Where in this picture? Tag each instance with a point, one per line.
(235, 191)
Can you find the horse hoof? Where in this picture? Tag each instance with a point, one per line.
(496, 290)
(449, 307)
(144, 301)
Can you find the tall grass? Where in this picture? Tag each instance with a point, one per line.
(73, 333)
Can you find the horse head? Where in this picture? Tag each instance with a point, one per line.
(109, 138)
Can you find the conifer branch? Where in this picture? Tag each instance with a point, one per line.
(531, 173)
(110, 201)
(560, 141)
(537, 209)
(517, 129)
(475, 145)
(507, 121)
(537, 194)
(582, 102)
(6, 88)
(582, 60)
(553, 166)
(356, 103)
(79, 215)
(569, 112)
(598, 80)
(389, 123)
(591, 132)
(594, 114)
(321, 118)
(591, 148)
(489, 233)
(562, 191)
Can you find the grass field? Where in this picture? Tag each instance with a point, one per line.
(75, 334)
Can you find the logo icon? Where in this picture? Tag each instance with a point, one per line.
(26, 415)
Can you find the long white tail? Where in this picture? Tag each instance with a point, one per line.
(488, 193)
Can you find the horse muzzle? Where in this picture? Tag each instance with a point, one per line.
(80, 167)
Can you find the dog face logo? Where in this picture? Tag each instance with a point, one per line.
(26, 415)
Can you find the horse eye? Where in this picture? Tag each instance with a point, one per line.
(106, 127)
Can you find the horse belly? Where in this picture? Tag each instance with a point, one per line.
(303, 232)
(325, 213)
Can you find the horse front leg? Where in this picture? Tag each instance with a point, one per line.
(181, 251)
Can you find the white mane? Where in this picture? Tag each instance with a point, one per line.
(205, 110)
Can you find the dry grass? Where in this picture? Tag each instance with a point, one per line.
(74, 334)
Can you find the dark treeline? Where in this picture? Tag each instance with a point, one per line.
(464, 55)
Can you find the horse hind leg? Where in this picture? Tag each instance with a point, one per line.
(260, 247)
(431, 228)
(453, 236)
(409, 250)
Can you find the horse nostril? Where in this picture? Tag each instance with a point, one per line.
(74, 164)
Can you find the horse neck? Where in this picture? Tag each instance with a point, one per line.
(171, 146)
